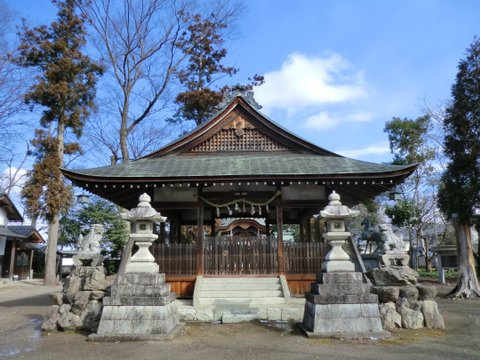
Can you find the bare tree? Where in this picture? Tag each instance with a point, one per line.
(141, 43)
(12, 82)
(14, 173)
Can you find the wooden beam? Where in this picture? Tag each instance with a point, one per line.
(30, 263)
(280, 250)
(200, 253)
(13, 250)
(308, 230)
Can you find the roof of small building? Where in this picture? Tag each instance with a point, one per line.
(12, 211)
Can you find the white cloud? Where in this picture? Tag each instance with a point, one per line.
(15, 176)
(306, 81)
(320, 121)
(324, 120)
(379, 148)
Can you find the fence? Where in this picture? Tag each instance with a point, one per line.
(239, 256)
(303, 258)
(176, 259)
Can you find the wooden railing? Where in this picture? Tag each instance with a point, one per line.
(303, 258)
(239, 256)
(176, 259)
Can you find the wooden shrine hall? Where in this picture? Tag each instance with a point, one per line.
(239, 165)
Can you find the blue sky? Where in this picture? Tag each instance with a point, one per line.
(336, 71)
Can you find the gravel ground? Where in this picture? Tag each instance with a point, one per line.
(23, 304)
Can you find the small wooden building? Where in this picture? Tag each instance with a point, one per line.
(240, 164)
(17, 242)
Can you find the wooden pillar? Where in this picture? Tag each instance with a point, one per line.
(163, 233)
(199, 242)
(213, 227)
(302, 231)
(13, 251)
(281, 255)
(30, 264)
(308, 230)
(318, 235)
(267, 227)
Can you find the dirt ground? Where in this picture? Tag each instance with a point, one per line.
(23, 304)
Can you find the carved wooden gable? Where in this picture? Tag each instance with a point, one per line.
(238, 135)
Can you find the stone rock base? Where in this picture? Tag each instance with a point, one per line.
(408, 307)
(392, 276)
(141, 306)
(341, 305)
(79, 305)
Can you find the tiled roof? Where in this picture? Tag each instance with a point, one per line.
(238, 165)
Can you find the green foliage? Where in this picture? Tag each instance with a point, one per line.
(38, 263)
(407, 140)
(81, 218)
(449, 274)
(203, 45)
(65, 89)
(404, 213)
(460, 190)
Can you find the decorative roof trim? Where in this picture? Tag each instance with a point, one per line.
(215, 124)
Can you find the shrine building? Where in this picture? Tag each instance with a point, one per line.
(241, 166)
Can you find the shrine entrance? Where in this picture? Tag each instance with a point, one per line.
(240, 255)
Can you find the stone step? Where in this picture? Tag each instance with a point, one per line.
(241, 301)
(240, 294)
(240, 291)
(253, 287)
(242, 280)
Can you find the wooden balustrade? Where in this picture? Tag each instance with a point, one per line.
(239, 256)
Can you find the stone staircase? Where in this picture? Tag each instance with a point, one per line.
(240, 291)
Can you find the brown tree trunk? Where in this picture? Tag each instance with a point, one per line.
(467, 283)
(124, 131)
(50, 276)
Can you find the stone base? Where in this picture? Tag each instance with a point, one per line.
(136, 337)
(88, 260)
(141, 305)
(343, 319)
(394, 259)
(341, 305)
(343, 335)
(338, 266)
(138, 320)
(142, 267)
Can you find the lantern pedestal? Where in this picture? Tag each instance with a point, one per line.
(340, 303)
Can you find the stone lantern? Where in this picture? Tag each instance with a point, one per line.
(142, 219)
(340, 303)
(335, 214)
(141, 305)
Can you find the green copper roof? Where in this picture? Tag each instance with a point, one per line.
(246, 165)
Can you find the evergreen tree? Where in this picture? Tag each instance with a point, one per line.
(459, 195)
(65, 89)
(410, 144)
(80, 219)
(203, 44)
